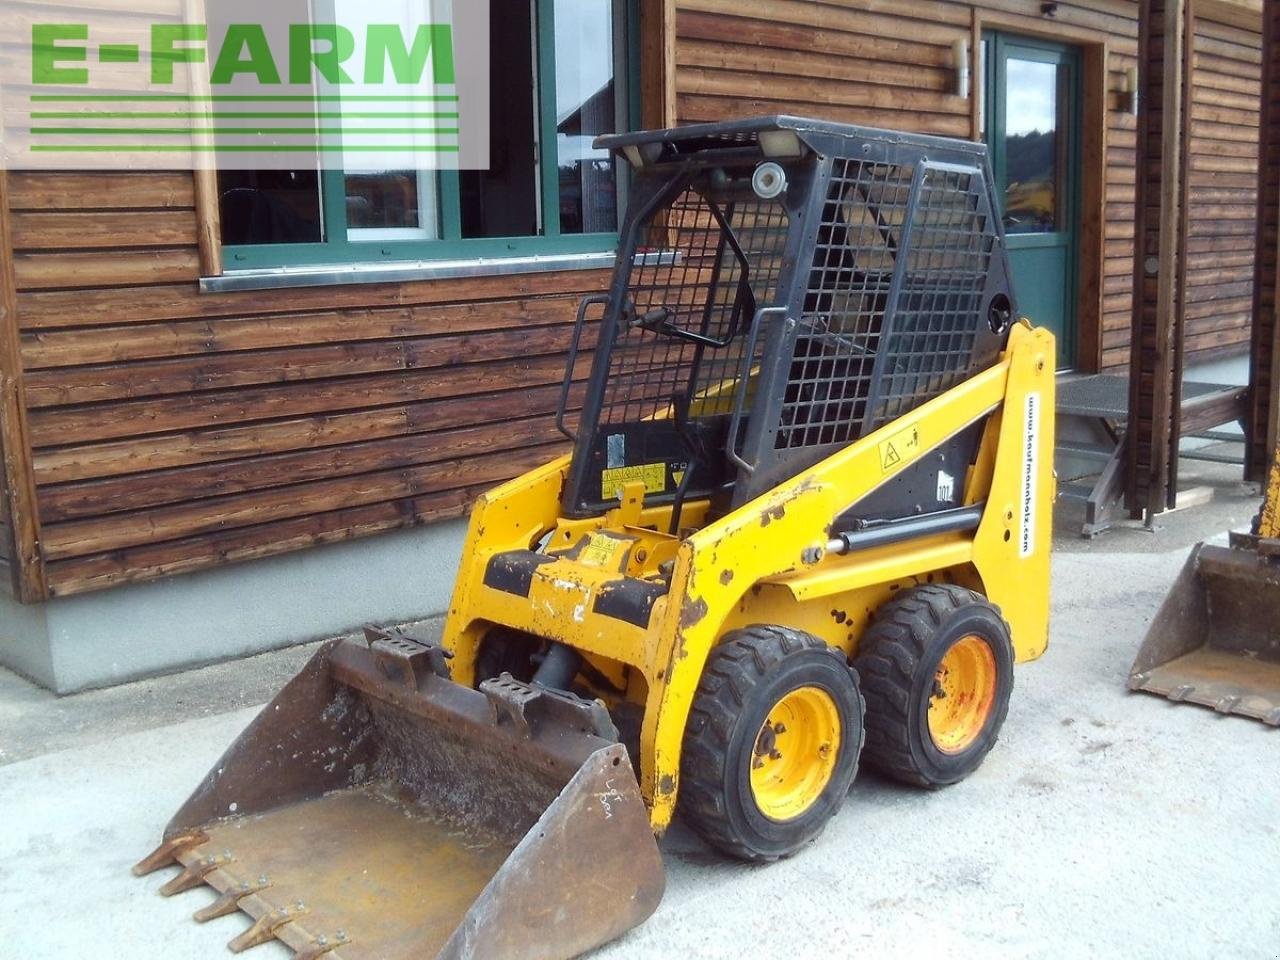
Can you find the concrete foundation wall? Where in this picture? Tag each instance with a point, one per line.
(135, 631)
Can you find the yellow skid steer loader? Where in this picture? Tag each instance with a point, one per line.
(808, 508)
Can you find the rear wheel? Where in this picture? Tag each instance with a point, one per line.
(937, 672)
(772, 742)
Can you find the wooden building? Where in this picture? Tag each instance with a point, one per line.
(181, 393)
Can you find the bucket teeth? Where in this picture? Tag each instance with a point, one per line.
(265, 927)
(1272, 718)
(194, 874)
(1226, 704)
(229, 902)
(321, 946)
(1181, 693)
(168, 853)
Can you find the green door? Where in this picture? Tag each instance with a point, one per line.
(1031, 121)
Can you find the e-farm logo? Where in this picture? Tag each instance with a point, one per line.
(321, 51)
(380, 81)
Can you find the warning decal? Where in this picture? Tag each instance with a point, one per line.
(902, 447)
(599, 551)
(653, 475)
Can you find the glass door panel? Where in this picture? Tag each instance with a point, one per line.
(1030, 117)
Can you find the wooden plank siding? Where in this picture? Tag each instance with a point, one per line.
(24, 569)
(6, 525)
(170, 430)
(1222, 184)
(6, 534)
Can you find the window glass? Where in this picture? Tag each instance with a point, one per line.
(387, 204)
(506, 199)
(558, 81)
(392, 205)
(270, 206)
(586, 107)
(1032, 148)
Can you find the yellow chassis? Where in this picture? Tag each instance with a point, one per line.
(767, 562)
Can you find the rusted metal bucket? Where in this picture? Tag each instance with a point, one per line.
(376, 809)
(1216, 640)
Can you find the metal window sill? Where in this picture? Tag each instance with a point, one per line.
(277, 278)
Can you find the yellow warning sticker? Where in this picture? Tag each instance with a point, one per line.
(654, 476)
(902, 447)
(599, 551)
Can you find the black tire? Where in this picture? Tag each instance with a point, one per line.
(746, 676)
(898, 663)
(508, 651)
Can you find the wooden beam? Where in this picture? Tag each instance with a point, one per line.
(1211, 410)
(208, 209)
(208, 223)
(1159, 212)
(1093, 206)
(27, 563)
(658, 63)
(1178, 336)
(1264, 361)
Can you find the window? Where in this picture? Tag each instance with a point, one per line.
(562, 73)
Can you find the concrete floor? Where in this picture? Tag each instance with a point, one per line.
(1103, 824)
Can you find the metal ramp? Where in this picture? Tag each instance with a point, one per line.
(1104, 400)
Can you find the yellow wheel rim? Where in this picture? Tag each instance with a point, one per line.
(964, 690)
(795, 753)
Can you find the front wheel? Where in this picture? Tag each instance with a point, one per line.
(937, 671)
(772, 742)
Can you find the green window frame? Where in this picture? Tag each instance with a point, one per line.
(338, 250)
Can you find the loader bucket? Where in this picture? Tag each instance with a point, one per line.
(376, 809)
(1216, 639)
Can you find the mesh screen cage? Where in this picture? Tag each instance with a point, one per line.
(784, 287)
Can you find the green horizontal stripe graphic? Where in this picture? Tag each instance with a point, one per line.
(239, 131)
(237, 148)
(235, 115)
(238, 98)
